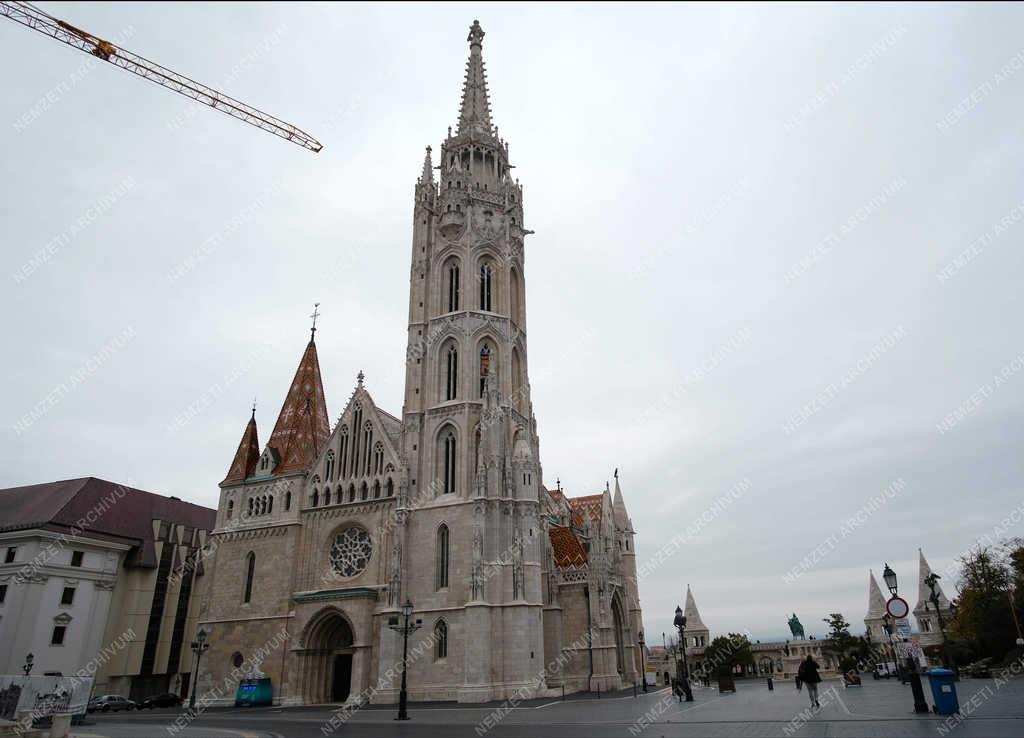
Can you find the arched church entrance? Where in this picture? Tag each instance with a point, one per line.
(327, 659)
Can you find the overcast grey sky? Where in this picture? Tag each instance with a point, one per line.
(748, 224)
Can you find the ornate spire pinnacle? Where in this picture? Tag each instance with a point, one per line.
(693, 619)
(359, 378)
(427, 177)
(244, 464)
(302, 426)
(475, 112)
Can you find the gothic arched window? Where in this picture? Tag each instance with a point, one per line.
(344, 449)
(441, 639)
(485, 286)
(287, 500)
(452, 374)
(231, 508)
(378, 458)
(250, 570)
(364, 491)
(327, 495)
(485, 366)
(441, 569)
(315, 499)
(270, 504)
(251, 501)
(390, 488)
(448, 482)
(453, 287)
(351, 493)
(329, 471)
(376, 489)
(367, 440)
(516, 296)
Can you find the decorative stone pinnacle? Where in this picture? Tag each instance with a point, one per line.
(360, 377)
(476, 34)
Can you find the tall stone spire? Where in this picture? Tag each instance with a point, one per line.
(924, 592)
(248, 453)
(427, 177)
(302, 426)
(693, 619)
(619, 506)
(876, 602)
(475, 112)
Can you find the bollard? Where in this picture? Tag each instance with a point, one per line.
(771, 685)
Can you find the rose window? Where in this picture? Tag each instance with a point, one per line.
(351, 551)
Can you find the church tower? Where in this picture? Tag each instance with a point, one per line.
(468, 507)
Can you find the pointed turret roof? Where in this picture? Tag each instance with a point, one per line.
(619, 506)
(876, 602)
(247, 455)
(427, 177)
(693, 619)
(475, 111)
(302, 427)
(924, 592)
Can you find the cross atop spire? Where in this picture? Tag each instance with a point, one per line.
(314, 315)
(475, 112)
(254, 407)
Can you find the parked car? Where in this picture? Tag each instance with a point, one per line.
(110, 703)
(978, 669)
(167, 699)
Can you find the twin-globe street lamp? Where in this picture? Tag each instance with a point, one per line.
(680, 623)
(405, 629)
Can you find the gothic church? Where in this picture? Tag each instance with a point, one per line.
(324, 533)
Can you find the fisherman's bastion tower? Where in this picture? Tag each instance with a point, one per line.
(325, 532)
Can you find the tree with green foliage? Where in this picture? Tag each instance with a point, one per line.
(724, 653)
(848, 650)
(984, 614)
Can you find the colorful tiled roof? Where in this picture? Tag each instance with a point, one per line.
(567, 547)
(302, 427)
(587, 510)
(248, 453)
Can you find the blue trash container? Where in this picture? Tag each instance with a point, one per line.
(943, 683)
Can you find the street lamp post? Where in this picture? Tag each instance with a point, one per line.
(27, 668)
(680, 623)
(643, 668)
(887, 627)
(405, 629)
(932, 580)
(920, 705)
(199, 647)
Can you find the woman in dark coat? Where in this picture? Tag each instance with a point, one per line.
(808, 674)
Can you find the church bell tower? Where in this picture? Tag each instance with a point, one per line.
(471, 475)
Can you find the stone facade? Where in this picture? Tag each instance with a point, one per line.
(326, 532)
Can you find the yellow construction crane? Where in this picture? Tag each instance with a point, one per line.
(34, 18)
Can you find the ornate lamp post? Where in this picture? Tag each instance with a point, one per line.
(887, 622)
(27, 668)
(680, 623)
(920, 705)
(932, 580)
(199, 647)
(643, 668)
(405, 629)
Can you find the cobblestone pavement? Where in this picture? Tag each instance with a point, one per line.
(882, 709)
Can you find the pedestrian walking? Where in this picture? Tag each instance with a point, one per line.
(807, 674)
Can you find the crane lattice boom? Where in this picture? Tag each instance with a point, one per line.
(36, 19)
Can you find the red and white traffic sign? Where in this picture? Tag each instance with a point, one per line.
(897, 607)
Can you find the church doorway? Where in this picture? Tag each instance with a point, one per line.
(326, 661)
(342, 682)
